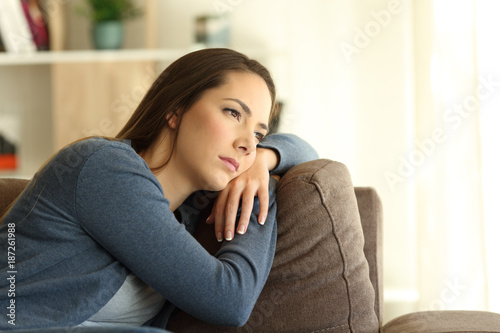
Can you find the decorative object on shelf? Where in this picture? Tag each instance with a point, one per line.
(10, 125)
(212, 31)
(107, 18)
(36, 21)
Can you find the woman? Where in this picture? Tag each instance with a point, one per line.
(98, 238)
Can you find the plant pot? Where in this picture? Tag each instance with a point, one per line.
(107, 35)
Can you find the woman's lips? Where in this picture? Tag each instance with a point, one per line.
(231, 163)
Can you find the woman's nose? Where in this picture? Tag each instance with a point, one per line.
(246, 143)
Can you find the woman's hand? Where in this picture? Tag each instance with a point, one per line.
(253, 182)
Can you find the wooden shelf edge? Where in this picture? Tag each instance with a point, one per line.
(53, 57)
(56, 57)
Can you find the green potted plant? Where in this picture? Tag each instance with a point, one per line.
(107, 18)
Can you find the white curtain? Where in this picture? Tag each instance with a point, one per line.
(488, 27)
(457, 92)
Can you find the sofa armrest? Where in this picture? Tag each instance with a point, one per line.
(445, 321)
(10, 188)
(370, 212)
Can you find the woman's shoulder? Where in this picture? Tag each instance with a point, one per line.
(99, 151)
(92, 144)
(96, 147)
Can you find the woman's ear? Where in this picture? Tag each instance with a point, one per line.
(173, 120)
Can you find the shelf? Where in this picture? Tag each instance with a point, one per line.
(57, 57)
(52, 57)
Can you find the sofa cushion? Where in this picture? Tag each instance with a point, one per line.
(451, 321)
(10, 188)
(319, 280)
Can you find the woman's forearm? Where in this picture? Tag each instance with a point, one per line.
(290, 149)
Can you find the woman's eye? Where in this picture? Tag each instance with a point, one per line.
(233, 113)
(259, 136)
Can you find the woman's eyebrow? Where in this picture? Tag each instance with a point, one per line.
(247, 111)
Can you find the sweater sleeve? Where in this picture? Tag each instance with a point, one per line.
(121, 205)
(291, 149)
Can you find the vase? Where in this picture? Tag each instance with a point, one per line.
(107, 35)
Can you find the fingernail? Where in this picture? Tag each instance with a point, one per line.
(229, 235)
(262, 222)
(219, 237)
(241, 229)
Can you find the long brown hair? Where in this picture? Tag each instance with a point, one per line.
(180, 85)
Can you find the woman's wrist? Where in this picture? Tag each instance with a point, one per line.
(268, 156)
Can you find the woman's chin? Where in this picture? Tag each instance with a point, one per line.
(217, 184)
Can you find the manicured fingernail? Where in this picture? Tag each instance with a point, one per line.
(229, 235)
(262, 222)
(241, 229)
(219, 237)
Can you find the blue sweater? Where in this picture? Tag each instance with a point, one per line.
(96, 213)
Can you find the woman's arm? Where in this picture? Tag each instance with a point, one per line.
(291, 150)
(120, 204)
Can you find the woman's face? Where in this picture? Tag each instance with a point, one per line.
(217, 137)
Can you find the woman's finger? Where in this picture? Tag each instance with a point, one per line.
(247, 201)
(263, 196)
(231, 208)
(218, 215)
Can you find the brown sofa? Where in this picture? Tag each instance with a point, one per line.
(327, 272)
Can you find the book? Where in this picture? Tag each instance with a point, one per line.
(14, 28)
(36, 22)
